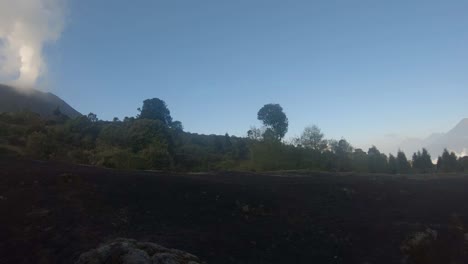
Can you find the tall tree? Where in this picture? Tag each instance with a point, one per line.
(92, 117)
(392, 164)
(177, 126)
(463, 163)
(312, 138)
(403, 165)
(422, 161)
(377, 161)
(360, 162)
(156, 109)
(275, 119)
(448, 162)
(343, 151)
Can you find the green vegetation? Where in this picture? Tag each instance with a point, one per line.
(422, 162)
(152, 140)
(274, 120)
(448, 162)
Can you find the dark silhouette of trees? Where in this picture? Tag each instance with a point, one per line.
(312, 138)
(177, 125)
(58, 116)
(255, 133)
(227, 144)
(155, 109)
(377, 161)
(392, 164)
(403, 165)
(128, 119)
(360, 160)
(422, 162)
(154, 141)
(463, 163)
(270, 135)
(448, 162)
(274, 119)
(343, 150)
(92, 117)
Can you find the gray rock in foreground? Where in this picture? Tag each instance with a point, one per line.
(129, 251)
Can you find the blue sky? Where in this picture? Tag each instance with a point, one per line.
(358, 69)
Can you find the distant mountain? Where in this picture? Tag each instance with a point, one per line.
(455, 140)
(13, 100)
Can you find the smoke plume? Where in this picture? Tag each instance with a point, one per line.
(25, 27)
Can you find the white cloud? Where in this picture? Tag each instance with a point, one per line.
(25, 27)
(463, 153)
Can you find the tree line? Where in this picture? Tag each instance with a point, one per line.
(153, 140)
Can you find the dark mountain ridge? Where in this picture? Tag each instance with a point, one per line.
(14, 100)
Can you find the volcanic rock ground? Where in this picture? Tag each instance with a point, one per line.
(52, 212)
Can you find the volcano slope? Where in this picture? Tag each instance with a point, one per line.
(51, 212)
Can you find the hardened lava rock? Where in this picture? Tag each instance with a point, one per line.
(129, 251)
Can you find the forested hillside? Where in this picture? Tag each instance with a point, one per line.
(153, 141)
